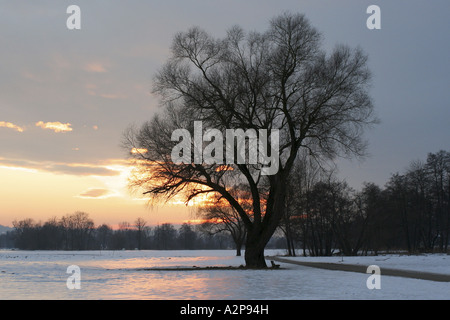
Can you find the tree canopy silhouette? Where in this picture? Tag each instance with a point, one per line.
(280, 79)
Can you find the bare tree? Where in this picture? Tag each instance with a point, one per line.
(25, 235)
(165, 236)
(279, 79)
(140, 227)
(439, 169)
(223, 218)
(187, 237)
(78, 228)
(306, 173)
(104, 235)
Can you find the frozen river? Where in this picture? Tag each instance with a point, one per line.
(125, 275)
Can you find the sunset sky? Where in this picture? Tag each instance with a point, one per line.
(66, 96)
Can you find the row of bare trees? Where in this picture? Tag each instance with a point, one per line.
(71, 232)
(77, 232)
(420, 200)
(324, 216)
(411, 213)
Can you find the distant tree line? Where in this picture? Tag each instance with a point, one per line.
(77, 232)
(324, 216)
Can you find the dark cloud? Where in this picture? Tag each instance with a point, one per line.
(101, 76)
(60, 168)
(95, 193)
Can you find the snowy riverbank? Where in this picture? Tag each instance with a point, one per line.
(119, 275)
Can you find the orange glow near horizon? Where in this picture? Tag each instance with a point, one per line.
(40, 194)
(138, 150)
(43, 190)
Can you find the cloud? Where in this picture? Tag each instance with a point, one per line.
(55, 126)
(112, 96)
(32, 77)
(97, 194)
(82, 170)
(11, 126)
(138, 150)
(95, 67)
(76, 169)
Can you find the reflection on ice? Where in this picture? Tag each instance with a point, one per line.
(120, 275)
(114, 274)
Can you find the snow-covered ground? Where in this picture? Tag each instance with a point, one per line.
(120, 275)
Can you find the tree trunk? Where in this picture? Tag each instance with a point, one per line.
(238, 249)
(257, 239)
(238, 240)
(254, 251)
(288, 244)
(260, 232)
(254, 257)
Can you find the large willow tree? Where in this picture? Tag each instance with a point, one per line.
(278, 79)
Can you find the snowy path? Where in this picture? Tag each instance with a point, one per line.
(363, 269)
